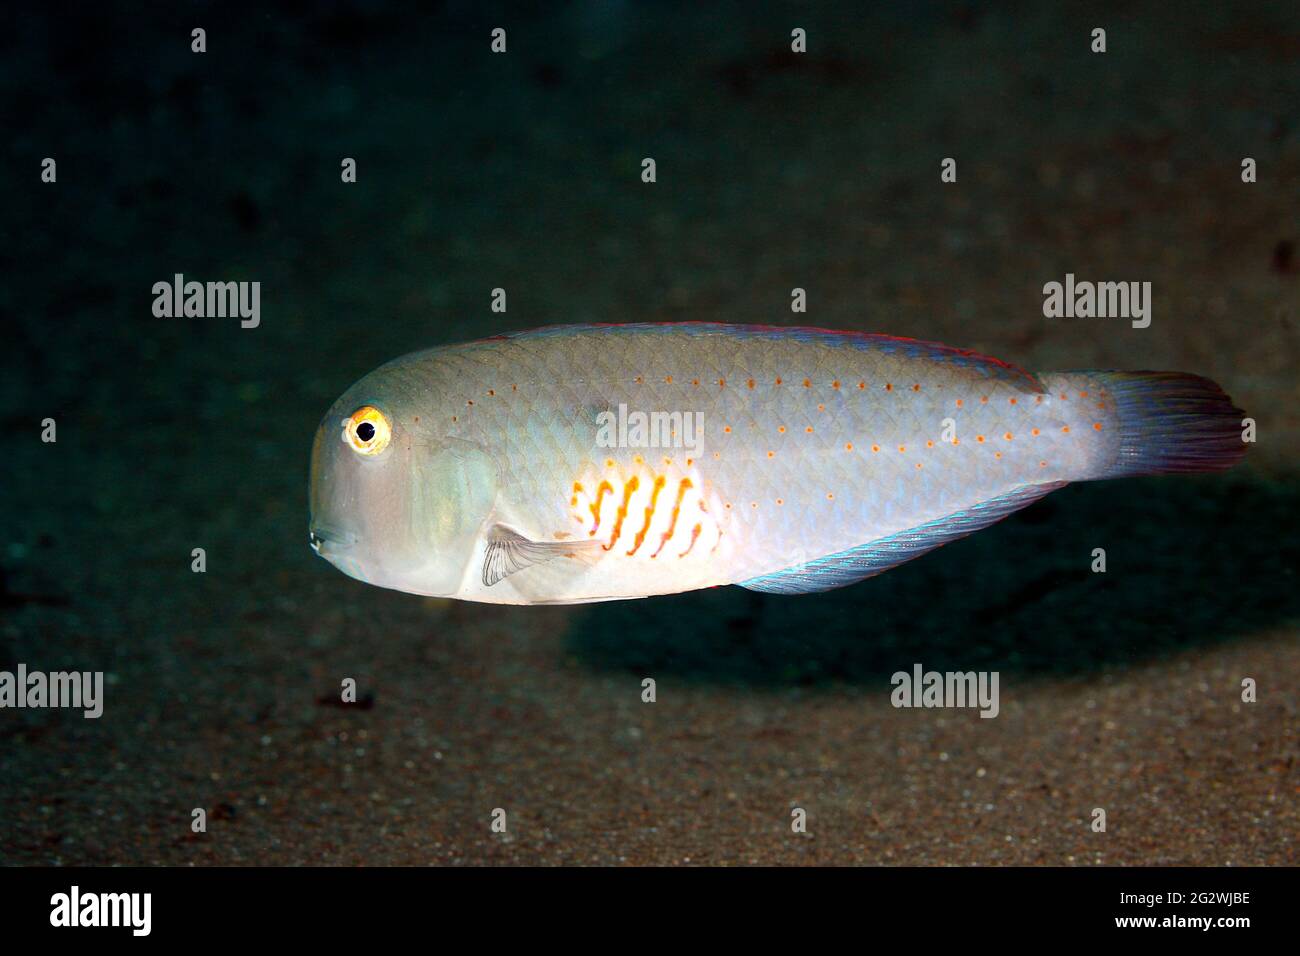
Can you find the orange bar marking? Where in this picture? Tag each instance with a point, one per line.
(629, 487)
(677, 509)
(605, 486)
(649, 514)
(695, 536)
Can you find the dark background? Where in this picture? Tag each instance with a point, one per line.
(522, 171)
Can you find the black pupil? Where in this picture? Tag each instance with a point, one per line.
(365, 431)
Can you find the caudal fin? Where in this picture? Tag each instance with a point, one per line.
(1172, 422)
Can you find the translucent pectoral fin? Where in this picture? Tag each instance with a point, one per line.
(509, 551)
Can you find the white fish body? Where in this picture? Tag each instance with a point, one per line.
(592, 463)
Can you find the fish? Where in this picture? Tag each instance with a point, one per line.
(587, 463)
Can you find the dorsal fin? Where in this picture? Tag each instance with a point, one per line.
(866, 560)
(984, 365)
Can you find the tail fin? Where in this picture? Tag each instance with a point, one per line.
(1172, 422)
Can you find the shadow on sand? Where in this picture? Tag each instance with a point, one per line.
(1191, 562)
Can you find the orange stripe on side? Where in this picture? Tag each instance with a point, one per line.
(605, 486)
(695, 536)
(629, 487)
(649, 514)
(677, 509)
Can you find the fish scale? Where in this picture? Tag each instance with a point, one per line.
(814, 445)
(554, 377)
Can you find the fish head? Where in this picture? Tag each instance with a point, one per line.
(394, 503)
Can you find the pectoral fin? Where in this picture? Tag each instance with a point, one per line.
(509, 551)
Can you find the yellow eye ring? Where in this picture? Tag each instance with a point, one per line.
(367, 430)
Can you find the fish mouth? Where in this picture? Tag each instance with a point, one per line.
(327, 541)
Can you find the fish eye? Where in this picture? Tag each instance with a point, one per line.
(367, 430)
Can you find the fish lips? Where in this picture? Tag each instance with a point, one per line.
(329, 542)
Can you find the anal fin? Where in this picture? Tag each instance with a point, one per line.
(874, 557)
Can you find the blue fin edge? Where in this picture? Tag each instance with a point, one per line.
(865, 560)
